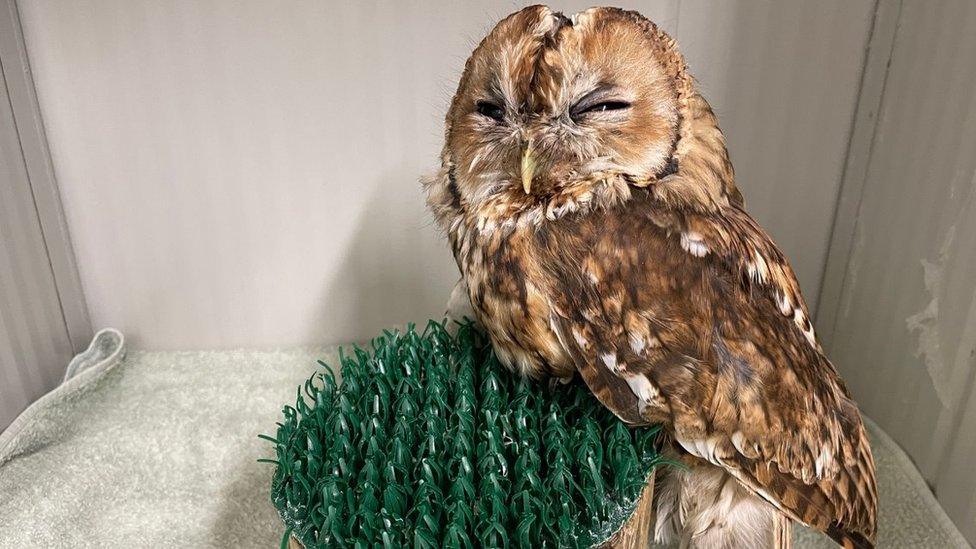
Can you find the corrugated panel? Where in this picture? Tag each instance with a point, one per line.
(905, 335)
(40, 172)
(34, 343)
(245, 173)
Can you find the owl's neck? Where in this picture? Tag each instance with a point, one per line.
(511, 209)
(704, 179)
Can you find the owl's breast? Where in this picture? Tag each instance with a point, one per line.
(512, 300)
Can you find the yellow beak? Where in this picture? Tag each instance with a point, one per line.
(528, 168)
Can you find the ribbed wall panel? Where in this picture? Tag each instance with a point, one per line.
(245, 173)
(905, 332)
(34, 343)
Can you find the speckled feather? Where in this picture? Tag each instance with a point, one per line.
(633, 262)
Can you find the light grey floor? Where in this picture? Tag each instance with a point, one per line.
(160, 449)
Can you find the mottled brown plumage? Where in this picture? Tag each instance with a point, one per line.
(590, 203)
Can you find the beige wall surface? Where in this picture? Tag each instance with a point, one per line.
(905, 330)
(245, 173)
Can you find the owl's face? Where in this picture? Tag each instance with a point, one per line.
(547, 103)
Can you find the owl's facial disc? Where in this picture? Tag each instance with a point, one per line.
(547, 102)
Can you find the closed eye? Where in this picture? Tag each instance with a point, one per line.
(491, 110)
(605, 106)
(605, 98)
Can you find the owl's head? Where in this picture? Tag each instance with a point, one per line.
(555, 115)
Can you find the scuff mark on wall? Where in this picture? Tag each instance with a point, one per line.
(946, 330)
(926, 324)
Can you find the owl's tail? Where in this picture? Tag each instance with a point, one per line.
(704, 507)
(849, 540)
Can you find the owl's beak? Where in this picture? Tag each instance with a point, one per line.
(528, 168)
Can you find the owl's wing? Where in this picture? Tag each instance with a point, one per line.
(698, 321)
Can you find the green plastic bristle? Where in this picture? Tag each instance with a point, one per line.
(429, 442)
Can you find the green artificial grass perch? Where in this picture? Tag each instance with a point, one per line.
(428, 441)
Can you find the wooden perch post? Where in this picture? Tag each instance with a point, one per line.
(638, 531)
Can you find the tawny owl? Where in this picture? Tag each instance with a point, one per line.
(587, 194)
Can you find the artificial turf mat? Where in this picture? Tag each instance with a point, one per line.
(429, 442)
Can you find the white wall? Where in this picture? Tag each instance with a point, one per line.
(245, 173)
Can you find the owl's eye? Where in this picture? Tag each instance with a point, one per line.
(605, 98)
(582, 110)
(491, 110)
(606, 106)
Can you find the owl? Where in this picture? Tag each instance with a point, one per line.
(587, 194)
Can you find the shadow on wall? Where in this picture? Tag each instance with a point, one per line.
(385, 278)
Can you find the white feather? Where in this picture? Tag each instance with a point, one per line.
(637, 343)
(580, 340)
(706, 507)
(694, 244)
